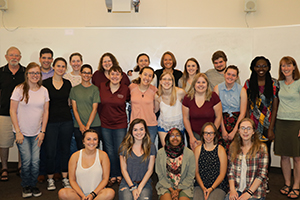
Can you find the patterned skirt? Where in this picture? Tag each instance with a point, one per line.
(229, 122)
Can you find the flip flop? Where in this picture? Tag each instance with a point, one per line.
(4, 177)
(293, 192)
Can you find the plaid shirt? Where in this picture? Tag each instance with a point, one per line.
(257, 167)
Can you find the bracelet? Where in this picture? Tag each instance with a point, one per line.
(132, 188)
(93, 194)
(42, 132)
(249, 192)
(212, 188)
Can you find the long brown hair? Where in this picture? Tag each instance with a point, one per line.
(185, 75)
(173, 92)
(191, 92)
(128, 141)
(235, 147)
(112, 58)
(25, 84)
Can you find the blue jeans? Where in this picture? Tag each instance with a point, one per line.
(79, 138)
(153, 133)
(58, 134)
(30, 158)
(112, 138)
(240, 193)
(125, 194)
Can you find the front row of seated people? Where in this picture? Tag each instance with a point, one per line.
(175, 164)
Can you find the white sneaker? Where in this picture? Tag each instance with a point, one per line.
(51, 185)
(65, 183)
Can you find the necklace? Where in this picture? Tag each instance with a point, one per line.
(143, 91)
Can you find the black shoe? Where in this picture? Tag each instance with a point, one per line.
(36, 192)
(268, 189)
(26, 192)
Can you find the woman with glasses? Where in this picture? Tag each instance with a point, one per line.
(29, 114)
(248, 164)
(211, 165)
(175, 168)
(262, 92)
(85, 98)
(287, 138)
(168, 100)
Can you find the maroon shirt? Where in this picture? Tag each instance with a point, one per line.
(113, 106)
(199, 116)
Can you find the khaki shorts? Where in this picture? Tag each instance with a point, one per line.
(6, 133)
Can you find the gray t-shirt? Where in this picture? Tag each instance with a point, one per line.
(136, 168)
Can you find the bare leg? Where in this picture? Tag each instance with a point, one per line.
(106, 194)
(68, 194)
(64, 174)
(166, 196)
(286, 169)
(4, 157)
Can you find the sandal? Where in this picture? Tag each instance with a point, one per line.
(286, 189)
(4, 177)
(111, 181)
(293, 192)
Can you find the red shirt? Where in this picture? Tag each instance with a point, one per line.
(99, 77)
(113, 106)
(199, 116)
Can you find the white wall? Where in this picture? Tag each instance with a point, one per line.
(153, 13)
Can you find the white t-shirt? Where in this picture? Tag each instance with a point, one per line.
(30, 115)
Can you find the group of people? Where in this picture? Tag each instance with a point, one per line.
(47, 110)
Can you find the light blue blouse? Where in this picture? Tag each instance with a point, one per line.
(230, 99)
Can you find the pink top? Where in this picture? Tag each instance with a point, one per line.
(30, 115)
(142, 104)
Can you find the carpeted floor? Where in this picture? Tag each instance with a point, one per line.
(11, 190)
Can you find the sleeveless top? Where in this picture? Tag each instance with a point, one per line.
(170, 116)
(209, 168)
(230, 99)
(88, 178)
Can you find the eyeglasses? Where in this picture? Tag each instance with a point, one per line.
(173, 136)
(208, 133)
(246, 128)
(86, 73)
(261, 66)
(34, 73)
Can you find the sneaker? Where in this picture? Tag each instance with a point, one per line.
(65, 183)
(26, 192)
(36, 192)
(51, 185)
(263, 138)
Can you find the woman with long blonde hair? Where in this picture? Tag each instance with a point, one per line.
(168, 100)
(199, 106)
